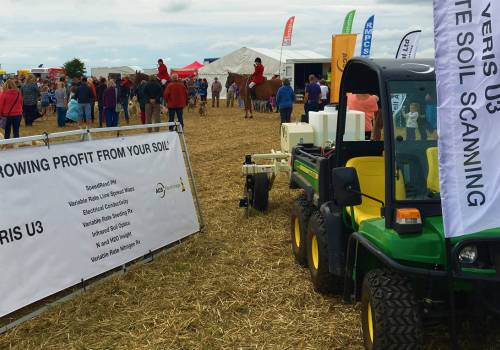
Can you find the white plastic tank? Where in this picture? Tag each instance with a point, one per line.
(355, 126)
(330, 108)
(324, 124)
(293, 134)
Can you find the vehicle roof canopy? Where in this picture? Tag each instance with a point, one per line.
(363, 75)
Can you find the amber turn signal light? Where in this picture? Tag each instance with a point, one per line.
(408, 220)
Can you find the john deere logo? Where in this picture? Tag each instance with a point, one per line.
(160, 190)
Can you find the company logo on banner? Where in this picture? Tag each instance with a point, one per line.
(468, 85)
(342, 51)
(407, 50)
(397, 101)
(348, 21)
(97, 205)
(287, 35)
(366, 43)
(408, 46)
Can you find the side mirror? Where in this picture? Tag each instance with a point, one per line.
(346, 189)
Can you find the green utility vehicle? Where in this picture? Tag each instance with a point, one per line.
(369, 223)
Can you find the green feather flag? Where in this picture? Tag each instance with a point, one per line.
(347, 28)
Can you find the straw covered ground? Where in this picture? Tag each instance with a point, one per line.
(235, 286)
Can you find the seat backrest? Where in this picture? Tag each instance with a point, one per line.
(433, 174)
(371, 174)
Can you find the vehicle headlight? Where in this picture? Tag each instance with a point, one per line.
(468, 255)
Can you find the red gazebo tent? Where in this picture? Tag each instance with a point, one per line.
(189, 71)
(194, 65)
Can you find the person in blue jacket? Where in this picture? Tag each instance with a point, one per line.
(203, 91)
(73, 107)
(285, 97)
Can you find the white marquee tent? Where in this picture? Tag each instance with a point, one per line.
(105, 71)
(241, 61)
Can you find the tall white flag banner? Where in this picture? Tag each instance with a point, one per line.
(76, 210)
(467, 37)
(407, 50)
(408, 47)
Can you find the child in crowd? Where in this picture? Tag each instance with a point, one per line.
(73, 112)
(272, 103)
(45, 98)
(52, 98)
(412, 122)
(203, 90)
(61, 103)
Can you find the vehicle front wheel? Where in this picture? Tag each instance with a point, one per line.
(390, 315)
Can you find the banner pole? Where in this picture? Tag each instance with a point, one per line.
(281, 57)
(180, 132)
(451, 291)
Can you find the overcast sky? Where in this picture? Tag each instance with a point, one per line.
(138, 32)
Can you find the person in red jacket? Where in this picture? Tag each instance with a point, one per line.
(257, 77)
(176, 97)
(163, 75)
(11, 108)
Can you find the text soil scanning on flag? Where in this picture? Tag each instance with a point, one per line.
(473, 171)
(469, 105)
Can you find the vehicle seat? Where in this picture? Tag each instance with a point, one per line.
(371, 174)
(433, 174)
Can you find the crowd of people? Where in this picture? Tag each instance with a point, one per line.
(316, 97)
(82, 100)
(71, 100)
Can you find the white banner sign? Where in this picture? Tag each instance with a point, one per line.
(407, 50)
(408, 46)
(76, 210)
(397, 101)
(467, 36)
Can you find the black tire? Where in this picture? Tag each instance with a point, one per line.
(317, 257)
(260, 192)
(293, 185)
(299, 219)
(389, 305)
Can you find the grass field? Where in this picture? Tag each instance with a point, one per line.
(235, 286)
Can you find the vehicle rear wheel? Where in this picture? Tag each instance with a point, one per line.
(259, 192)
(299, 219)
(317, 257)
(390, 316)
